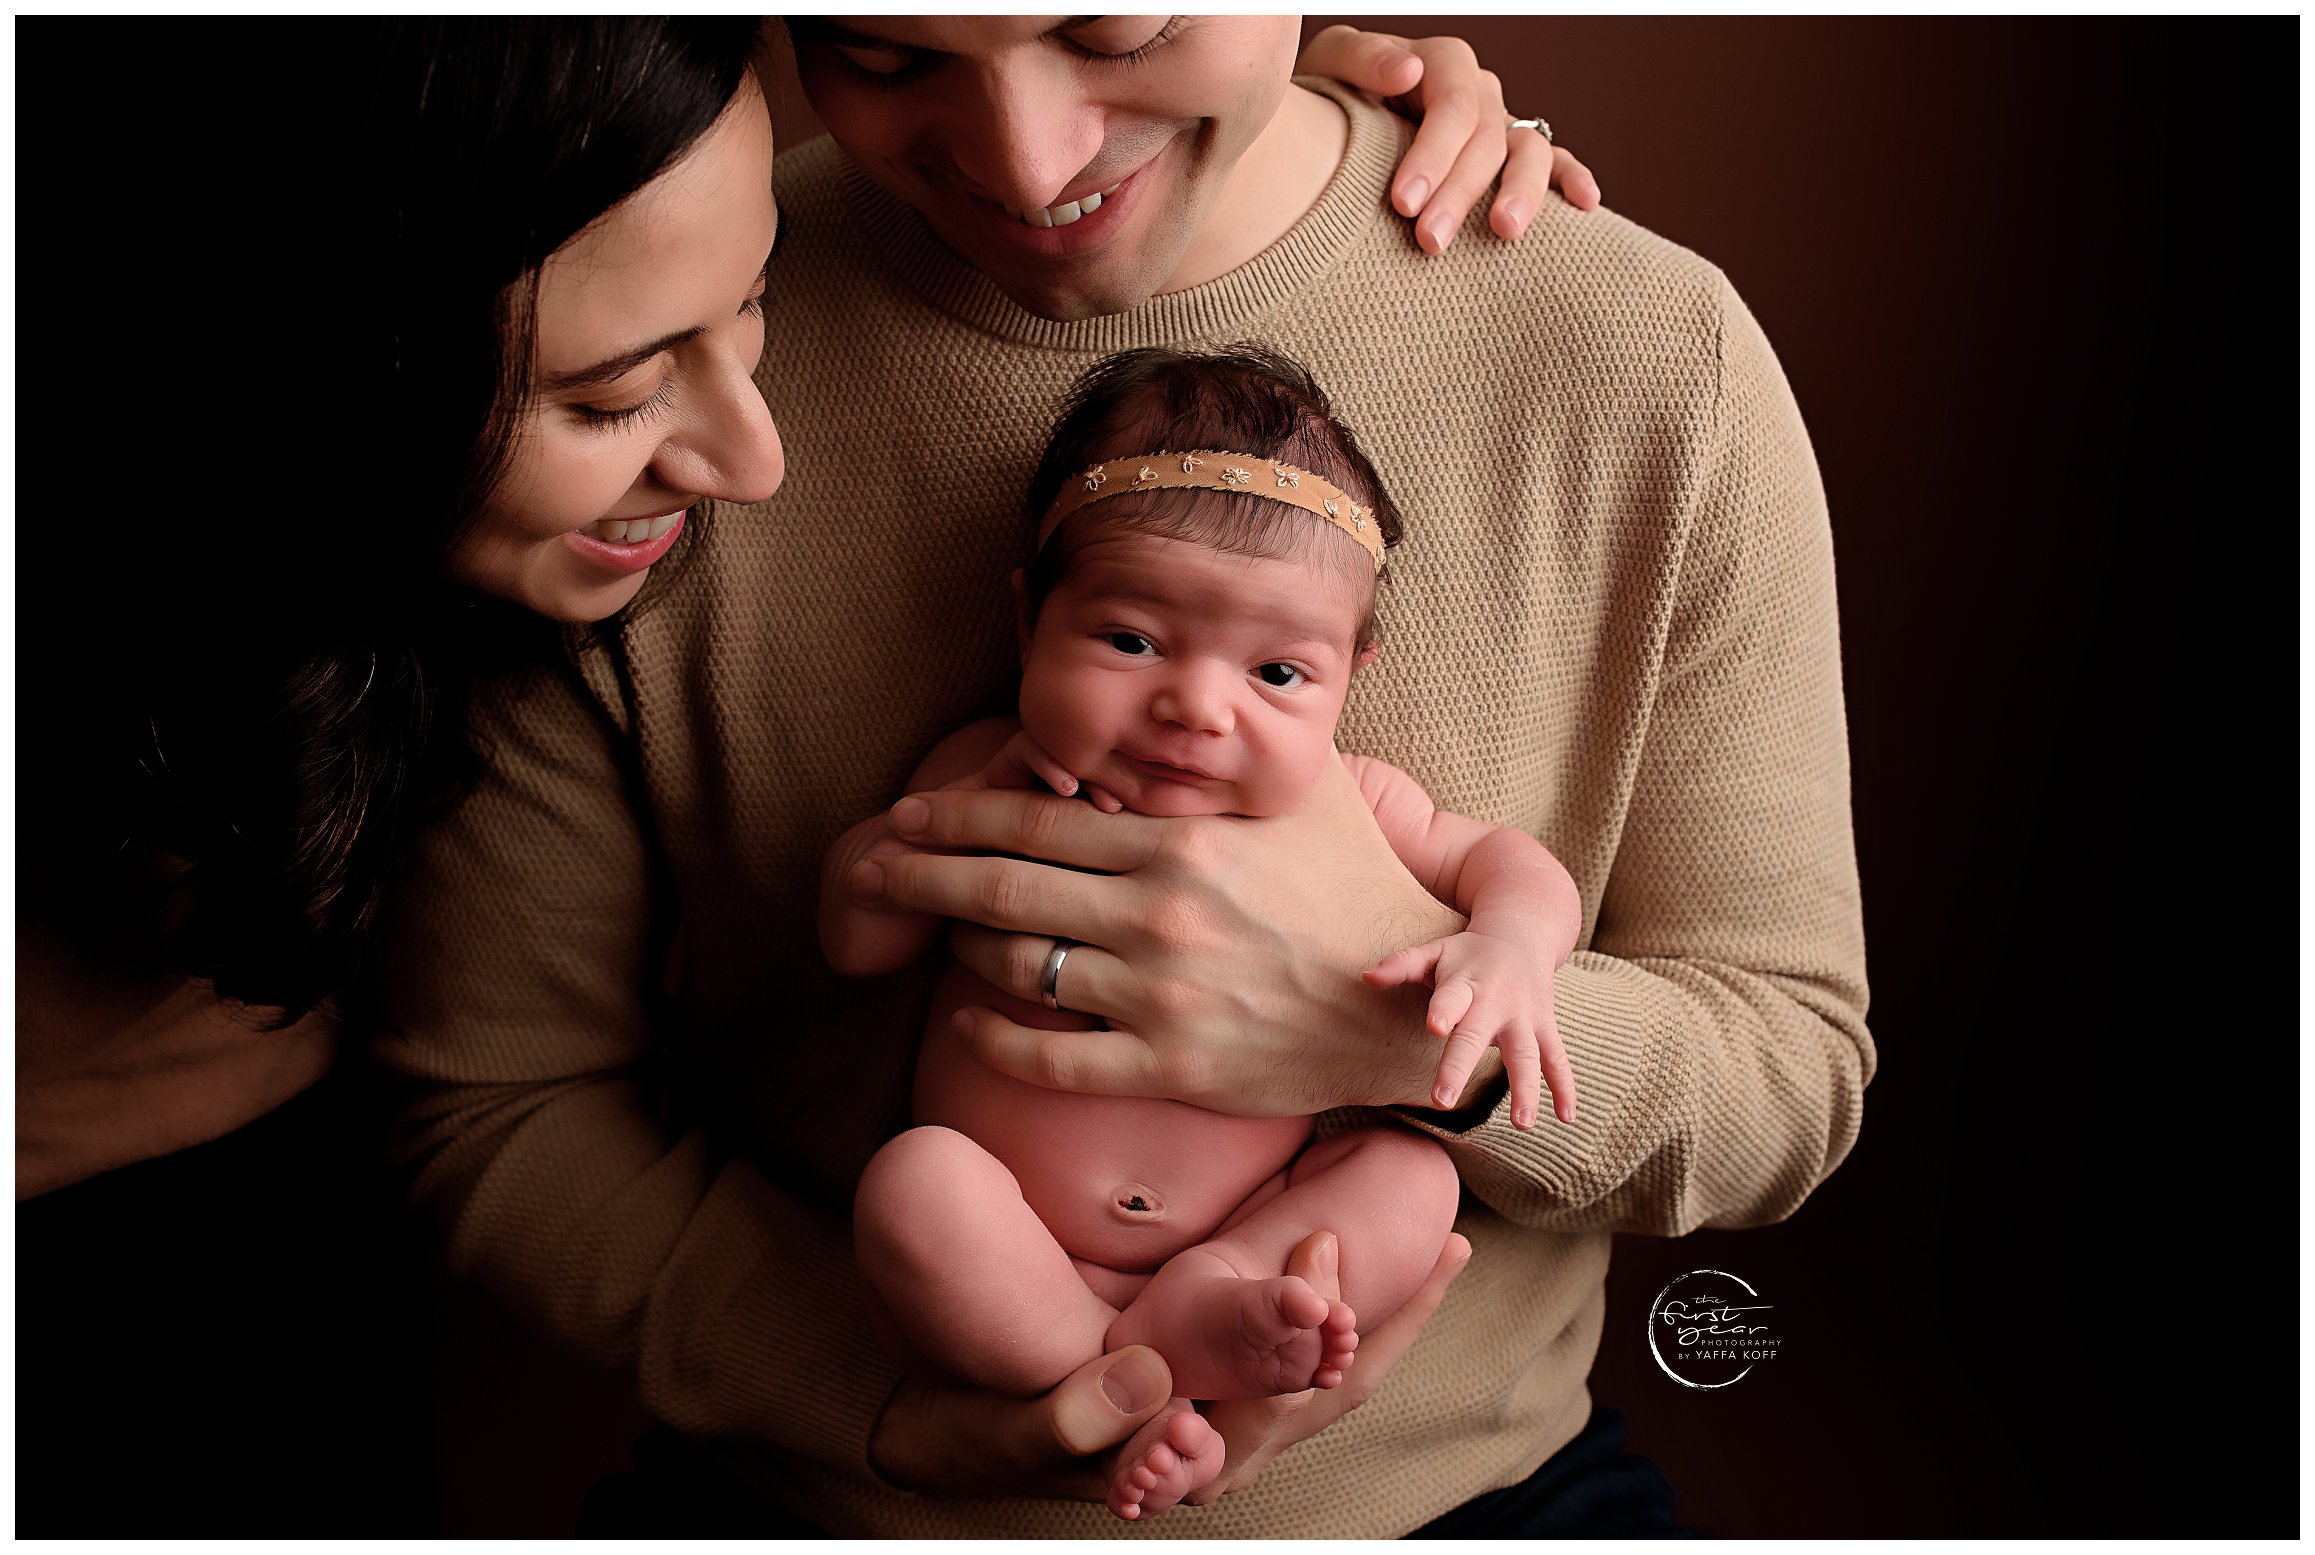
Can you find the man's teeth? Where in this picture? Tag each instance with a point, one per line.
(634, 531)
(1066, 212)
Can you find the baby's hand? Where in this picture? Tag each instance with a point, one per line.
(1023, 764)
(1488, 992)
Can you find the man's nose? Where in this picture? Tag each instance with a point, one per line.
(1024, 131)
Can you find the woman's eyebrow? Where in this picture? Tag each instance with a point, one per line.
(613, 368)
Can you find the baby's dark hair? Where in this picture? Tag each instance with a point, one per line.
(1244, 398)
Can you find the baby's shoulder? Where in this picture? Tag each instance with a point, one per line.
(1389, 791)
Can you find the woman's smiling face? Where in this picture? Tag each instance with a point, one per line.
(649, 324)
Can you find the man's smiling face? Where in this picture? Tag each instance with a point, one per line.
(1072, 160)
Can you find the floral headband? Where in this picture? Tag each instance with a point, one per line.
(1209, 470)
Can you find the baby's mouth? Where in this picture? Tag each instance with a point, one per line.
(1066, 212)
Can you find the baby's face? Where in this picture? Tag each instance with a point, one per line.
(1189, 682)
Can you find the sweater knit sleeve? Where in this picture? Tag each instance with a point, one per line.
(515, 989)
(1716, 1017)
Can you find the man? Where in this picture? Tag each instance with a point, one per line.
(1612, 624)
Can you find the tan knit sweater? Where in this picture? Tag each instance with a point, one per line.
(1612, 624)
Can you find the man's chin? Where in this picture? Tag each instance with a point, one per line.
(1065, 300)
(1117, 279)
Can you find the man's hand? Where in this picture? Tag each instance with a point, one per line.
(1488, 991)
(1224, 953)
(965, 1441)
(1460, 141)
(1255, 1430)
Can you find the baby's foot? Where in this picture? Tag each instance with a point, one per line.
(1168, 1458)
(1233, 1338)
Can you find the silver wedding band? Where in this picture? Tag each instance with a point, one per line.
(1540, 126)
(1049, 984)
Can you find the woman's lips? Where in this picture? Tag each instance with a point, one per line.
(627, 557)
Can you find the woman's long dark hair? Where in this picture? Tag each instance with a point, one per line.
(272, 367)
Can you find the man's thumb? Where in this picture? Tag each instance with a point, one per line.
(1105, 1401)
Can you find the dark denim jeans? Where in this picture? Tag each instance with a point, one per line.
(1589, 1489)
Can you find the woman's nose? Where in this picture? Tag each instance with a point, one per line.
(731, 451)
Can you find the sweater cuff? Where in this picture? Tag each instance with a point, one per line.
(780, 1353)
(1600, 1006)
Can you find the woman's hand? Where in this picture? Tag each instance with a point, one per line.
(1223, 952)
(1460, 142)
(965, 1441)
(1255, 1430)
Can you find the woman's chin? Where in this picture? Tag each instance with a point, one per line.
(578, 604)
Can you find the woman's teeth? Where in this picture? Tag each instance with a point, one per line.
(1066, 212)
(634, 531)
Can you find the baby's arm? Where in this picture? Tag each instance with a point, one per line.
(870, 941)
(1492, 982)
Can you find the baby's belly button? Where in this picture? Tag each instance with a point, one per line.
(1133, 1224)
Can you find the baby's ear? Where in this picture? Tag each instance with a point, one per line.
(1368, 652)
(1021, 626)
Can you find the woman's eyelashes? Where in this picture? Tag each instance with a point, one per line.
(614, 418)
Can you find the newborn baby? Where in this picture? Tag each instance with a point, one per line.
(1190, 622)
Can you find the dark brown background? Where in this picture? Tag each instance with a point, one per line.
(2032, 283)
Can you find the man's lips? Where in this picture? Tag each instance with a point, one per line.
(1090, 229)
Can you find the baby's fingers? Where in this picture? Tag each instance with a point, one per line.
(1054, 776)
(1103, 800)
(1521, 1068)
(1415, 964)
(1456, 1062)
(1450, 1005)
(1557, 1071)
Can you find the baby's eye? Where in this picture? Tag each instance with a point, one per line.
(1284, 676)
(1130, 642)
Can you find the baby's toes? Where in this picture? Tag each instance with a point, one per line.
(1338, 1342)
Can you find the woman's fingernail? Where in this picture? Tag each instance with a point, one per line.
(962, 1023)
(1413, 193)
(866, 880)
(911, 815)
(1515, 215)
(1330, 1256)
(1137, 1382)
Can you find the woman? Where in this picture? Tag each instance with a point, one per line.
(449, 409)
(228, 745)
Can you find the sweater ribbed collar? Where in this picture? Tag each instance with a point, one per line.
(1220, 309)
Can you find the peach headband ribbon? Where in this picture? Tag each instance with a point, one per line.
(1217, 470)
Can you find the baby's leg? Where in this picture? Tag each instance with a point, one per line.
(968, 1271)
(1231, 1326)
(977, 1285)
